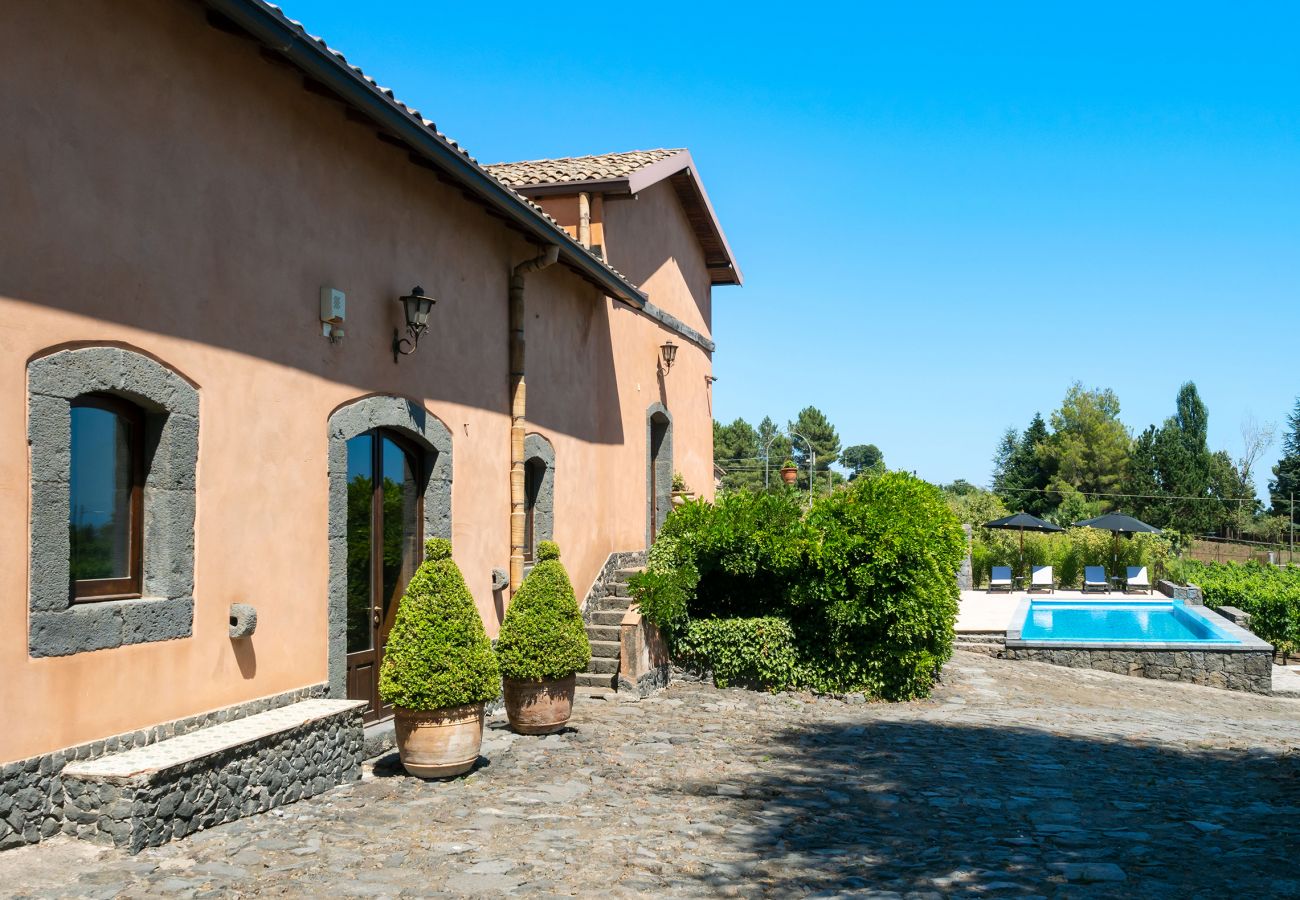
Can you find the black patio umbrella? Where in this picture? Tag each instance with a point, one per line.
(1023, 522)
(1117, 524)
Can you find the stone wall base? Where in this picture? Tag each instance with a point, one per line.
(32, 797)
(1249, 671)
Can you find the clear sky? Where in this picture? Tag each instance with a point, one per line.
(945, 212)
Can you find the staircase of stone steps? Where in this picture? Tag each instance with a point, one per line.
(604, 616)
(990, 643)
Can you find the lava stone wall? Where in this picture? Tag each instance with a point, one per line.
(32, 795)
(1249, 671)
(147, 811)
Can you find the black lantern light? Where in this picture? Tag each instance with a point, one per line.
(668, 352)
(416, 306)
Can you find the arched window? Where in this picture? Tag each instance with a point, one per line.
(539, 493)
(105, 508)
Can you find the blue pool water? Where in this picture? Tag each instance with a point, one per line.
(1117, 620)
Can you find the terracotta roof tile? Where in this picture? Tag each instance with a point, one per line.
(600, 167)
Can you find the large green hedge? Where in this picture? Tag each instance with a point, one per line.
(757, 653)
(1270, 594)
(438, 655)
(866, 579)
(543, 635)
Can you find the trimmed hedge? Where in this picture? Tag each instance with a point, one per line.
(1270, 594)
(866, 580)
(543, 635)
(438, 655)
(750, 652)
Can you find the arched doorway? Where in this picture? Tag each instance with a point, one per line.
(390, 488)
(659, 468)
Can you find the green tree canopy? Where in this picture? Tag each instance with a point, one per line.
(1022, 472)
(813, 425)
(1089, 447)
(862, 458)
(736, 449)
(1286, 474)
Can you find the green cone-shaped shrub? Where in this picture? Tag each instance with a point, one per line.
(438, 654)
(543, 635)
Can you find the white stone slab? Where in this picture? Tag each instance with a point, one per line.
(206, 741)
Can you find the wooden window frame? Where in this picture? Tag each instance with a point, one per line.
(95, 590)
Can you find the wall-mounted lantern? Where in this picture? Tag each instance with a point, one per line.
(416, 306)
(668, 352)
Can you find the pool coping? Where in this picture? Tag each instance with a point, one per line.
(1249, 642)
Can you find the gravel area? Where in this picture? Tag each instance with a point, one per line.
(1016, 779)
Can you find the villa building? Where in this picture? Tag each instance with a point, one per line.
(226, 424)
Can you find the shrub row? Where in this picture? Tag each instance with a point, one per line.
(1270, 594)
(865, 581)
(438, 655)
(1067, 553)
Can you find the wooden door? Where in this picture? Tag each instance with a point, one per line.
(384, 528)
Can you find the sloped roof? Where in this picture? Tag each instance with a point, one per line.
(330, 74)
(629, 173)
(600, 167)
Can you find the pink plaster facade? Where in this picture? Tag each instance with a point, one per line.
(169, 190)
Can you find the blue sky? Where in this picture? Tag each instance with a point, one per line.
(946, 212)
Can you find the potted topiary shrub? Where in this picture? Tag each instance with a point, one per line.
(681, 493)
(788, 472)
(542, 645)
(438, 669)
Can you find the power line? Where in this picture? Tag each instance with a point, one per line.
(1133, 496)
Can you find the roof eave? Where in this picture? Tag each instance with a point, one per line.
(269, 27)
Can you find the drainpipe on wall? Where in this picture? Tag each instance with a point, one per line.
(518, 407)
(584, 220)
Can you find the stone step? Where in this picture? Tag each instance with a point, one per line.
(146, 796)
(605, 649)
(625, 574)
(608, 617)
(595, 680)
(603, 665)
(608, 604)
(622, 590)
(603, 633)
(981, 637)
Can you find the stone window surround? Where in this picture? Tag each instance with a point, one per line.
(663, 476)
(56, 625)
(536, 447)
(423, 428)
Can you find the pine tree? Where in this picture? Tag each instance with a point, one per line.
(736, 449)
(820, 433)
(1021, 471)
(1286, 474)
(862, 458)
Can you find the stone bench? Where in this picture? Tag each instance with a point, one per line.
(149, 795)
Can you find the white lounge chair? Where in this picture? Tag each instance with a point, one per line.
(999, 578)
(1094, 579)
(1041, 579)
(1137, 580)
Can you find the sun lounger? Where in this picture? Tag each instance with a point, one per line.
(1137, 580)
(1041, 579)
(1094, 579)
(1000, 579)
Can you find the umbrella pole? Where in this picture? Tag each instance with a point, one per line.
(1022, 553)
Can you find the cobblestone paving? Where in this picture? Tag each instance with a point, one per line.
(1017, 779)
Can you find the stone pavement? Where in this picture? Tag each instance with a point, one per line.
(1017, 779)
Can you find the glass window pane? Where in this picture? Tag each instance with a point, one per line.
(361, 490)
(99, 515)
(401, 524)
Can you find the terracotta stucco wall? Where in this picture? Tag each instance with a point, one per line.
(171, 191)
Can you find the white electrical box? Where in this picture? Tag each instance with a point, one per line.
(333, 310)
(333, 305)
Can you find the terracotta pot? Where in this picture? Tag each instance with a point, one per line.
(439, 743)
(539, 707)
(789, 474)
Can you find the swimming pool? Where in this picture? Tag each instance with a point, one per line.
(1143, 621)
(1165, 638)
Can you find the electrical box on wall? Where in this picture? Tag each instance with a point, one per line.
(333, 310)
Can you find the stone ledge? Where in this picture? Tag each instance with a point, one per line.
(173, 752)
